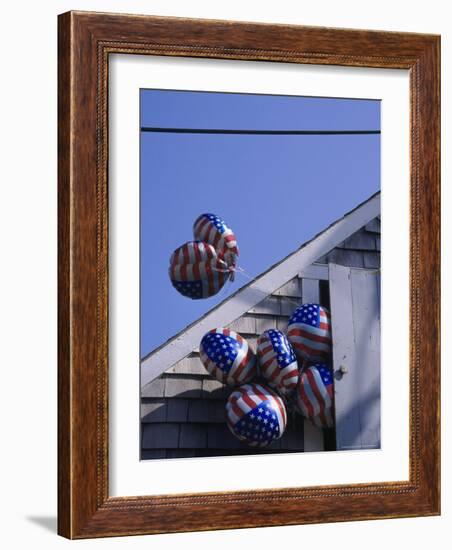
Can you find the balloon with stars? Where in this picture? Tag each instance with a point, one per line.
(309, 332)
(314, 395)
(256, 414)
(196, 271)
(277, 361)
(213, 230)
(227, 357)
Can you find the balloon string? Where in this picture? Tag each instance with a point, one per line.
(244, 273)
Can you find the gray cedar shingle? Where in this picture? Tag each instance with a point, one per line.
(155, 453)
(192, 436)
(374, 226)
(268, 306)
(264, 322)
(206, 410)
(288, 306)
(156, 388)
(181, 453)
(160, 436)
(189, 365)
(378, 242)
(361, 240)
(213, 389)
(244, 325)
(177, 409)
(154, 411)
(183, 386)
(220, 437)
(372, 259)
(350, 258)
(291, 288)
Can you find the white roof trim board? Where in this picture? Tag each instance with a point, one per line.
(254, 292)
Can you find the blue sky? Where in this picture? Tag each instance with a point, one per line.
(275, 192)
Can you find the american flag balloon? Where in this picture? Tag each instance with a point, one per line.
(314, 395)
(309, 332)
(196, 271)
(213, 230)
(228, 357)
(256, 414)
(277, 361)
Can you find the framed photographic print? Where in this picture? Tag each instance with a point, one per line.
(248, 275)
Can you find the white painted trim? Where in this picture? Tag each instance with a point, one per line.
(319, 272)
(250, 295)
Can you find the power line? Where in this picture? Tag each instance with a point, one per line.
(258, 132)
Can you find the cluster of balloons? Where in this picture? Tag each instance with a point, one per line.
(286, 371)
(200, 268)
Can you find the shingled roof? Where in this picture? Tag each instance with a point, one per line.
(182, 408)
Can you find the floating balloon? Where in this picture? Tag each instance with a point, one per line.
(213, 230)
(314, 395)
(277, 361)
(309, 332)
(196, 271)
(256, 414)
(227, 357)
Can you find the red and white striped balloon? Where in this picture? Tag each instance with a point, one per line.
(227, 357)
(213, 230)
(256, 414)
(314, 395)
(196, 271)
(309, 332)
(277, 361)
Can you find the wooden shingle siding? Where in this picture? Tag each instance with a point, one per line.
(180, 453)
(265, 322)
(160, 436)
(189, 365)
(183, 410)
(177, 410)
(378, 242)
(219, 437)
(362, 240)
(288, 306)
(146, 454)
(193, 436)
(374, 225)
(156, 388)
(183, 386)
(154, 411)
(269, 306)
(371, 260)
(292, 288)
(206, 411)
(212, 389)
(353, 258)
(245, 325)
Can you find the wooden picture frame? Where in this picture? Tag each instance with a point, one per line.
(85, 508)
